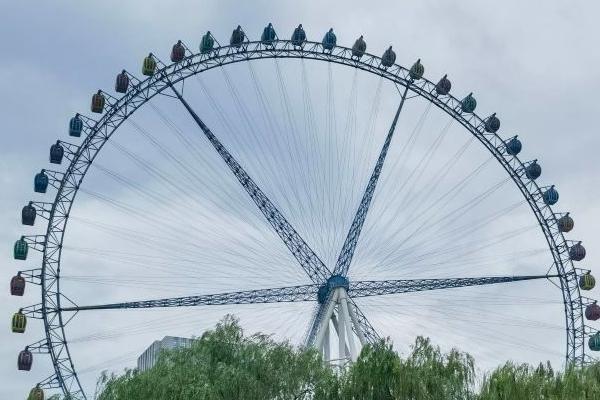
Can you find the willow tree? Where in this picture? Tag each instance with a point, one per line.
(225, 364)
(426, 374)
(524, 382)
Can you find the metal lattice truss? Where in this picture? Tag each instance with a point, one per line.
(337, 314)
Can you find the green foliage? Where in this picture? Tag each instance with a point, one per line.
(225, 364)
(427, 373)
(522, 382)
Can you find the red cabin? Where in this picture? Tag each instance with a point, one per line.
(17, 285)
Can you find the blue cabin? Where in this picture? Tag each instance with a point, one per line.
(268, 35)
(40, 182)
(75, 126)
(28, 214)
(299, 36)
(468, 104)
(492, 124)
(329, 40)
(550, 196)
(533, 170)
(514, 146)
(56, 153)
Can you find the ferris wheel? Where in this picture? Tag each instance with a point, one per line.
(311, 202)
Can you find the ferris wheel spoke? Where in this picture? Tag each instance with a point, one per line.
(345, 257)
(274, 295)
(381, 288)
(367, 330)
(310, 262)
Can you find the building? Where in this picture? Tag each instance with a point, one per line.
(149, 357)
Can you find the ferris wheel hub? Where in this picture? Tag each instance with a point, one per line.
(336, 281)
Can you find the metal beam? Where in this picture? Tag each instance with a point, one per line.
(274, 295)
(368, 332)
(310, 262)
(380, 288)
(345, 258)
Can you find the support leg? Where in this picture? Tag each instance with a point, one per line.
(357, 327)
(348, 327)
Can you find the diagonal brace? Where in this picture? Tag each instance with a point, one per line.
(310, 262)
(273, 295)
(380, 288)
(345, 258)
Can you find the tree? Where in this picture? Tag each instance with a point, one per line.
(224, 364)
(427, 373)
(523, 382)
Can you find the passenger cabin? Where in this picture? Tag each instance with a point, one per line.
(25, 360)
(237, 37)
(57, 152)
(17, 285)
(36, 393)
(577, 252)
(299, 36)
(587, 281)
(550, 196)
(329, 40)
(20, 249)
(149, 65)
(268, 35)
(592, 312)
(28, 214)
(388, 58)
(207, 43)
(416, 71)
(533, 170)
(565, 223)
(178, 52)
(443, 87)
(75, 126)
(492, 124)
(359, 47)
(514, 146)
(19, 322)
(594, 342)
(40, 182)
(122, 82)
(98, 102)
(468, 104)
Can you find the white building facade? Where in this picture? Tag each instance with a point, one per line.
(149, 357)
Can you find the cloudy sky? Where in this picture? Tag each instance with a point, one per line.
(533, 64)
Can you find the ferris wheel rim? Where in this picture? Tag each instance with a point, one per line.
(221, 56)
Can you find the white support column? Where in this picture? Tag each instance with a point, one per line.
(348, 325)
(359, 332)
(326, 344)
(341, 334)
(340, 313)
(334, 320)
(325, 320)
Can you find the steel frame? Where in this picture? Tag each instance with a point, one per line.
(118, 110)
